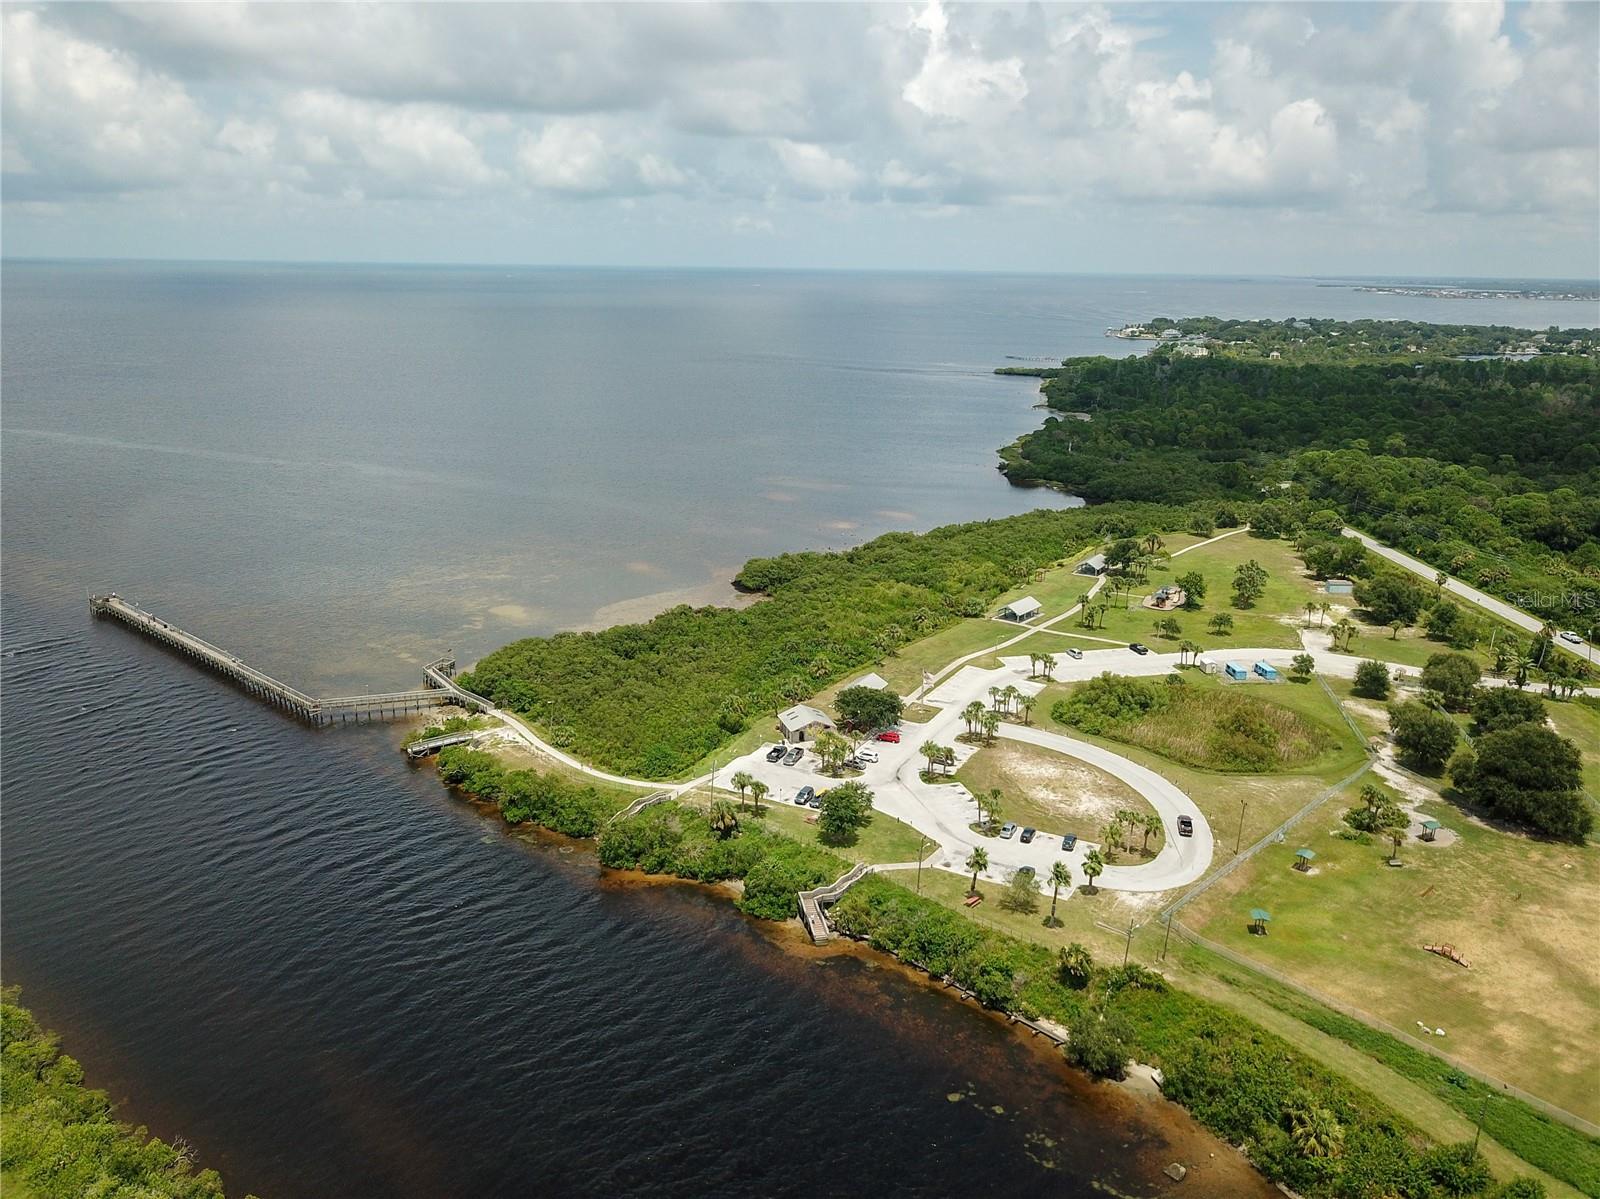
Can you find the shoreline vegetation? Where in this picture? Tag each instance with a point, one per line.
(62, 1139)
(1380, 423)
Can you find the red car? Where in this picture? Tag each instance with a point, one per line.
(892, 736)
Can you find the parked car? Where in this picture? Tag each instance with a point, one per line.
(852, 763)
(1009, 831)
(1025, 872)
(1027, 835)
(804, 795)
(793, 756)
(1069, 841)
(866, 754)
(890, 735)
(1074, 652)
(1185, 827)
(1569, 635)
(776, 752)
(1139, 647)
(814, 802)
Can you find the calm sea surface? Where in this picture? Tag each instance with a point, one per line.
(299, 953)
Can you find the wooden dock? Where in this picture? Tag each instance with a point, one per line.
(312, 709)
(814, 903)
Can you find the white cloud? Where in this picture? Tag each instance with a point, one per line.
(814, 169)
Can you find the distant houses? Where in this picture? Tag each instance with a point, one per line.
(802, 723)
(1022, 609)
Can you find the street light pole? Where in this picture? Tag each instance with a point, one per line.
(1483, 1110)
(922, 852)
(1127, 945)
(1166, 937)
(1239, 837)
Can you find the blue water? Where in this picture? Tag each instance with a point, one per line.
(303, 955)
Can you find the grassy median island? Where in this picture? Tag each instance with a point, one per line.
(61, 1140)
(1047, 790)
(1204, 723)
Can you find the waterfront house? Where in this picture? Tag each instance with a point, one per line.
(802, 723)
(1095, 564)
(1025, 608)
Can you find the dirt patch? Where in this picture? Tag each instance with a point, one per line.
(1037, 781)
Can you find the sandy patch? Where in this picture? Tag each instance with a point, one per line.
(717, 591)
(516, 613)
(1072, 790)
(779, 497)
(643, 568)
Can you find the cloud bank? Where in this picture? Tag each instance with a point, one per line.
(1388, 138)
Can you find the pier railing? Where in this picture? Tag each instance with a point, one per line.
(281, 695)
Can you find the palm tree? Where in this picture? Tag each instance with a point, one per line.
(1111, 836)
(1344, 629)
(972, 713)
(758, 792)
(1314, 1131)
(1026, 703)
(1153, 542)
(742, 780)
(933, 753)
(994, 806)
(994, 699)
(1148, 823)
(1185, 648)
(1324, 607)
(1060, 876)
(832, 749)
(1310, 610)
(1010, 696)
(991, 723)
(1093, 866)
(1048, 661)
(977, 862)
(723, 819)
(1440, 579)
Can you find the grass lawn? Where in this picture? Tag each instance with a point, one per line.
(1047, 790)
(884, 840)
(1520, 911)
(1056, 589)
(1255, 628)
(518, 757)
(904, 667)
(1582, 725)
(1242, 807)
(1082, 916)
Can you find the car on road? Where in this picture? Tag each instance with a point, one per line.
(1009, 831)
(1027, 835)
(866, 754)
(1069, 841)
(1185, 827)
(776, 752)
(1139, 647)
(1569, 635)
(793, 756)
(1074, 652)
(804, 795)
(890, 735)
(1025, 872)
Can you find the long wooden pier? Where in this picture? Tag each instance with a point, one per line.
(313, 709)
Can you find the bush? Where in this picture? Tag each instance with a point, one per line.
(1097, 1041)
(1457, 1169)
(1497, 708)
(1425, 738)
(1453, 676)
(1530, 775)
(1109, 700)
(1372, 680)
(866, 708)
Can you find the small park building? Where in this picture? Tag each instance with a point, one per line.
(802, 723)
(1095, 564)
(1025, 608)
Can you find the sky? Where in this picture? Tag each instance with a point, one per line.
(1426, 139)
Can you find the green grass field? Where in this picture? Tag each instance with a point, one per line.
(884, 840)
(1520, 911)
(1582, 725)
(903, 668)
(1057, 589)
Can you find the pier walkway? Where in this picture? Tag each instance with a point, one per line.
(313, 709)
(813, 903)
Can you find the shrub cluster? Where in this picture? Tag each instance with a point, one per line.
(526, 796)
(1300, 1123)
(61, 1140)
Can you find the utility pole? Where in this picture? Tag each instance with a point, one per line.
(1166, 937)
(1239, 837)
(1483, 1110)
(922, 852)
(1128, 944)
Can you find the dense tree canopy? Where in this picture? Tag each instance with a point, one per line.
(1530, 775)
